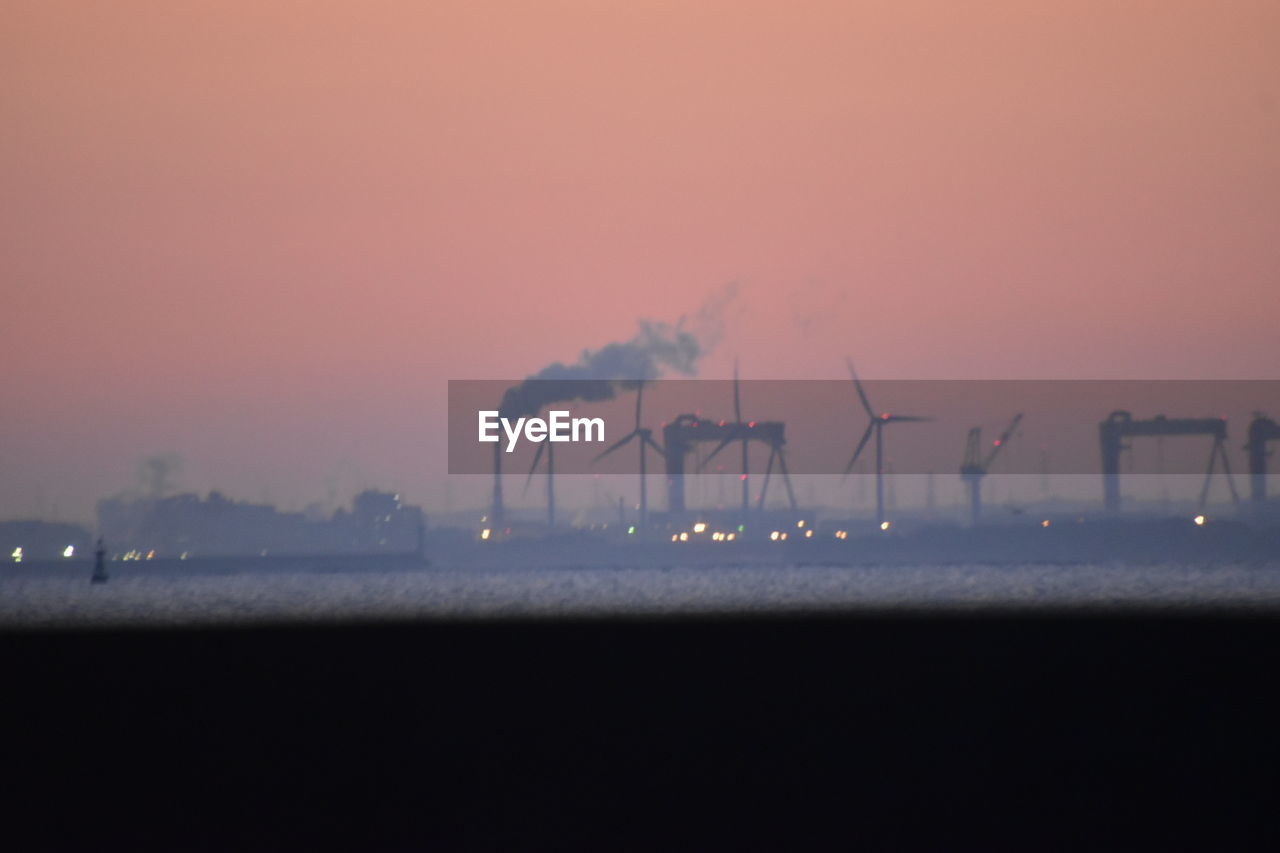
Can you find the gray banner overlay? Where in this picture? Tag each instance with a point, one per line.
(903, 426)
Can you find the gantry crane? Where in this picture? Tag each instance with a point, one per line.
(679, 437)
(1261, 430)
(975, 465)
(1120, 425)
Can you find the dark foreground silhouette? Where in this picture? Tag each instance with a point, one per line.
(956, 733)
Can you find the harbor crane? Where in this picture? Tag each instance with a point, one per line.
(679, 437)
(976, 466)
(1261, 430)
(1120, 425)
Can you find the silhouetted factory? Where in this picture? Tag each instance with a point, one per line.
(186, 525)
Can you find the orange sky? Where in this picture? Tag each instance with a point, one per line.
(265, 234)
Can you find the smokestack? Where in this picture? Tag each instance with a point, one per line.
(497, 513)
(597, 375)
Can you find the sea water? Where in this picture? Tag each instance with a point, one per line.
(248, 590)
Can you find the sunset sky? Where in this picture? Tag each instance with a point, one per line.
(263, 235)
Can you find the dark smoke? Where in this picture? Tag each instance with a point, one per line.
(598, 374)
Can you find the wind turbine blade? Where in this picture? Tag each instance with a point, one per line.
(737, 400)
(639, 401)
(537, 457)
(619, 443)
(658, 447)
(908, 419)
(857, 383)
(853, 460)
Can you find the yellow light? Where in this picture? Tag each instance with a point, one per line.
(800, 523)
(884, 525)
(675, 537)
(69, 551)
(484, 534)
(1044, 523)
(184, 556)
(808, 534)
(731, 536)
(151, 553)
(17, 554)
(774, 536)
(783, 537)
(1199, 519)
(700, 527)
(684, 536)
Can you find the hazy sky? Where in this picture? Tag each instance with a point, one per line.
(264, 234)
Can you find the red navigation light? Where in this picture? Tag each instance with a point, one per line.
(995, 443)
(722, 423)
(884, 416)
(751, 424)
(744, 476)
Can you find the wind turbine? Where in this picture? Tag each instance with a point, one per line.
(877, 424)
(776, 453)
(645, 436)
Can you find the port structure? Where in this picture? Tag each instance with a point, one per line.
(681, 435)
(976, 465)
(1120, 425)
(1261, 430)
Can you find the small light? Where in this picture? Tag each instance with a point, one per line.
(484, 534)
(884, 525)
(184, 556)
(774, 536)
(69, 551)
(1044, 523)
(731, 536)
(808, 534)
(17, 554)
(631, 529)
(800, 523)
(684, 536)
(700, 527)
(1199, 520)
(741, 527)
(675, 537)
(152, 553)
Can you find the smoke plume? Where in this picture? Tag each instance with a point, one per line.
(597, 375)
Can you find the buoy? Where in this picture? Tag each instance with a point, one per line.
(99, 566)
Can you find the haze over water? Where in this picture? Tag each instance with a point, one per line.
(264, 236)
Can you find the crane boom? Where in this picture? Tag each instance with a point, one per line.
(1000, 442)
